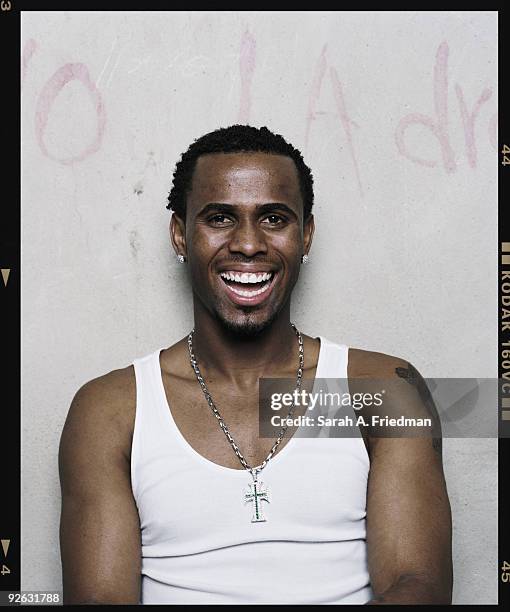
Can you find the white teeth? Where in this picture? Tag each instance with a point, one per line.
(246, 277)
(250, 293)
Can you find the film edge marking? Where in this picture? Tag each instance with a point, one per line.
(5, 546)
(5, 275)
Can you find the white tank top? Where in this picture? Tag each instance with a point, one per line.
(198, 542)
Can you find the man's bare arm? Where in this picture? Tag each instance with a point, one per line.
(99, 528)
(409, 525)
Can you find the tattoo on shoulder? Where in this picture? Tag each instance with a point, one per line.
(413, 377)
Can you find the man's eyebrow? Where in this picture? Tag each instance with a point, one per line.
(219, 207)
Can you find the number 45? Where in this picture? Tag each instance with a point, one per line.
(505, 575)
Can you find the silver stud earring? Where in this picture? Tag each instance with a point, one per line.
(181, 258)
(305, 259)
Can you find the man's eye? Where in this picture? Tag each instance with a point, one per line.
(274, 219)
(219, 219)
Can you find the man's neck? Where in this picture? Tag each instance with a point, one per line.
(243, 360)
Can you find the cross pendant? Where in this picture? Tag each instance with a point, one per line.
(256, 494)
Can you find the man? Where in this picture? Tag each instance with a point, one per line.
(160, 501)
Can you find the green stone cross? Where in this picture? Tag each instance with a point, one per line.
(258, 493)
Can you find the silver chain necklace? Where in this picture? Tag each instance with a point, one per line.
(257, 492)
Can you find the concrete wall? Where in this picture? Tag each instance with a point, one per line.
(396, 115)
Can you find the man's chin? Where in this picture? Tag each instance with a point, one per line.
(247, 326)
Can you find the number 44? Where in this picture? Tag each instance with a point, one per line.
(505, 151)
(5, 570)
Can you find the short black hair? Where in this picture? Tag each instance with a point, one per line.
(236, 139)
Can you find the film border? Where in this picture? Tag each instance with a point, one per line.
(10, 419)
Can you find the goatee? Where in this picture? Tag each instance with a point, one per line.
(247, 328)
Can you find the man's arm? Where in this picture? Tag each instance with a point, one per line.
(409, 526)
(99, 528)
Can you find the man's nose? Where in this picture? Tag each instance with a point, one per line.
(248, 239)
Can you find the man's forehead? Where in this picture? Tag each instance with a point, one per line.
(245, 171)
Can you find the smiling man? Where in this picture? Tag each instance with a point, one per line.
(169, 493)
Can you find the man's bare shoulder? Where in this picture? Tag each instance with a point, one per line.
(103, 410)
(112, 395)
(115, 386)
(371, 364)
(405, 381)
(406, 394)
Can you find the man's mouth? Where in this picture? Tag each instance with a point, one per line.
(248, 287)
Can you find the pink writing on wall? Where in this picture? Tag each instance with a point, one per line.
(438, 124)
(50, 91)
(341, 110)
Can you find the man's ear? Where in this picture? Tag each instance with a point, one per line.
(178, 234)
(308, 230)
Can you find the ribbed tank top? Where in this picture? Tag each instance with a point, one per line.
(198, 542)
